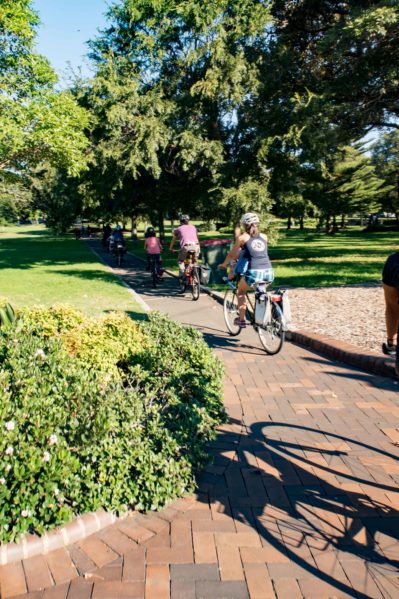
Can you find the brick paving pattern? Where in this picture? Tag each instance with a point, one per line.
(301, 500)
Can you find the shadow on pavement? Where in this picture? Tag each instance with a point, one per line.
(322, 517)
(327, 530)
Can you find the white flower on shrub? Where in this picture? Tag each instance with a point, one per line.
(53, 439)
(10, 425)
(9, 450)
(40, 354)
(46, 456)
(56, 491)
(25, 513)
(8, 467)
(2, 481)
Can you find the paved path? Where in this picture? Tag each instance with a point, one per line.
(301, 501)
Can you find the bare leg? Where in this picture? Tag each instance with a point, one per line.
(391, 312)
(241, 296)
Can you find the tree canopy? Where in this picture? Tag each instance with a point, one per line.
(38, 122)
(210, 107)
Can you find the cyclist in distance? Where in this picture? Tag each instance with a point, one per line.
(116, 237)
(153, 248)
(254, 265)
(188, 239)
(107, 230)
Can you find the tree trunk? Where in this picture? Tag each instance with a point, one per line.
(134, 235)
(343, 223)
(328, 223)
(289, 222)
(161, 227)
(301, 223)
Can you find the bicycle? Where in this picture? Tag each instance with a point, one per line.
(264, 314)
(154, 264)
(191, 276)
(118, 249)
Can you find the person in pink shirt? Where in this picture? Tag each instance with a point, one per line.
(153, 247)
(188, 239)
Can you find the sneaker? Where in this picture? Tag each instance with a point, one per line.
(389, 350)
(241, 323)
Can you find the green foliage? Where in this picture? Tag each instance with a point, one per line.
(385, 157)
(57, 195)
(37, 122)
(7, 315)
(15, 198)
(77, 437)
(170, 75)
(349, 184)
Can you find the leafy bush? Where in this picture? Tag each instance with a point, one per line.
(77, 436)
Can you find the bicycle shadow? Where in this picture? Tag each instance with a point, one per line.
(316, 518)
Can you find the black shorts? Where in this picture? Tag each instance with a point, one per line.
(390, 273)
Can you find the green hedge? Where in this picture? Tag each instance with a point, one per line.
(100, 413)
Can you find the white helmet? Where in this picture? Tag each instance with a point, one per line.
(249, 218)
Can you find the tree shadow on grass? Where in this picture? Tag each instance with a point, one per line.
(46, 251)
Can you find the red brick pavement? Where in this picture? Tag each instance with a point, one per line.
(301, 500)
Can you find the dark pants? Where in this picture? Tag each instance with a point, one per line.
(158, 262)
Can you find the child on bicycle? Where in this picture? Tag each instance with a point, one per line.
(153, 248)
(253, 265)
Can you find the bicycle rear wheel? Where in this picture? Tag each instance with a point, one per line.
(154, 275)
(196, 289)
(230, 311)
(182, 282)
(272, 335)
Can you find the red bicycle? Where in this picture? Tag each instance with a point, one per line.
(191, 276)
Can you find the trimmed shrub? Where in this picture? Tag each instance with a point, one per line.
(100, 413)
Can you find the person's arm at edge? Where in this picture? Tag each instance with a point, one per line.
(233, 252)
(172, 243)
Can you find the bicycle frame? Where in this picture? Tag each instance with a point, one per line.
(189, 264)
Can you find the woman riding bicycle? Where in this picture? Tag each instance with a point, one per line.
(254, 265)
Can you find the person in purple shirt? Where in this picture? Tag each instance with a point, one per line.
(188, 240)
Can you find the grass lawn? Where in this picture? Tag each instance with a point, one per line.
(37, 268)
(311, 259)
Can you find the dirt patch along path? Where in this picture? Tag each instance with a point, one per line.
(354, 314)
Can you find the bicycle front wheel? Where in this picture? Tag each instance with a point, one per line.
(196, 289)
(230, 311)
(272, 335)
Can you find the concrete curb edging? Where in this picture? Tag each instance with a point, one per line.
(72, 532)
(344, 352)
